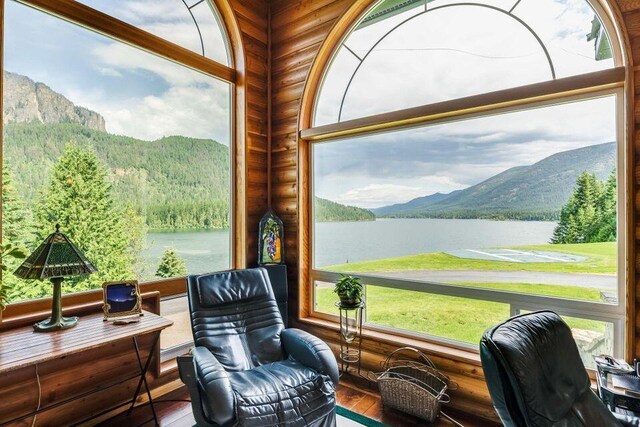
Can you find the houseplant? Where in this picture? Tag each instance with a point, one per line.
(349, 289)
(7, 251)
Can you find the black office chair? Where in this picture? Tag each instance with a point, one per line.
(536, 377)
(246, 369)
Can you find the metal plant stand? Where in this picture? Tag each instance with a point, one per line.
(350, 336)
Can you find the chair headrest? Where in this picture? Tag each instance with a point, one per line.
(542, 362)
(232, 286)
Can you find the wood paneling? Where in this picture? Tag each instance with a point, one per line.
(300, 52)
(252, 161)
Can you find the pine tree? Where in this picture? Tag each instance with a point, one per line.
(79, 199)
(590, 213)
(171, 265)
(16, 231)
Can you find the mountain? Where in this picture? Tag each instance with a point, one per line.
(328, 211)
(27, 101)
(537, 191)
(414, 205)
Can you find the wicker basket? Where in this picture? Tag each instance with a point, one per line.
(416, 388)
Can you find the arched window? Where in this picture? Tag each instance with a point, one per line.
(121, 134)
(467, 162)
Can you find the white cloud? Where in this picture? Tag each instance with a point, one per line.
(189, 103)
(187, 111)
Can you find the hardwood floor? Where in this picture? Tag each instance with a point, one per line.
(174, 410)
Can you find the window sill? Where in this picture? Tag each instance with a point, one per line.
(429, 347)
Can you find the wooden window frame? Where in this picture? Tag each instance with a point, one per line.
(616, 81)
(25, 312)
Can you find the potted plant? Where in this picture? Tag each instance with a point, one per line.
(349, 289)
(7, 251)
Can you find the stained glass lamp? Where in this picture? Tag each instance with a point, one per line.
(56, 258)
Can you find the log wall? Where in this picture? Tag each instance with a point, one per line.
(299, 29)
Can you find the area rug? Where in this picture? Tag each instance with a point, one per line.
(347, 418)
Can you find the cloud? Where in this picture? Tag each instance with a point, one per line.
(455, 155)
(109, 72)
(186, 102)
(187, 111)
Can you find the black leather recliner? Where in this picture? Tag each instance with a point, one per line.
(246, 369)
(536, 378)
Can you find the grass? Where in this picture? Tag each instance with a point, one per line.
(464, 319)
(460, 319)
(601, 259)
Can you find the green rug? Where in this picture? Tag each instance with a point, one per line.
(355, 418)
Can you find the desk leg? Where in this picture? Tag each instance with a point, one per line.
(143, 375)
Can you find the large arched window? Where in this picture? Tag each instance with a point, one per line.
(467, 162)
(117, 126)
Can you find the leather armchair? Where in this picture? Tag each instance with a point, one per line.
(536, 378)
(246, 369)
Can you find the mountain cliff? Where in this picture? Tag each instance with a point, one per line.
(537, 191)
(27, 101)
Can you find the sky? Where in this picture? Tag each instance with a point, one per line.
(446, 53)
(443, 54)
(139, 94)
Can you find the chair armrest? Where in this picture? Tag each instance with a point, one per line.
(311, 351)
(214, 383)
(627, 420)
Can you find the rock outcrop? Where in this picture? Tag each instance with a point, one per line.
(27, 101)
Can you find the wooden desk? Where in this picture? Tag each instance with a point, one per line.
(22, 347)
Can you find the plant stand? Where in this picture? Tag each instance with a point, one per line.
(350, 336)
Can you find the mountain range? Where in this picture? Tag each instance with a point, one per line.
(175, 182)
(530, 192)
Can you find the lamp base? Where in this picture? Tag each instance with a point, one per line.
(50, 324)
(57, 321)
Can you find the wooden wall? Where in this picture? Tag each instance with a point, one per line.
(252, 20)
(298, 30)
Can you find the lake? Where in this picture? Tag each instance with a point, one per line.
(340, 242)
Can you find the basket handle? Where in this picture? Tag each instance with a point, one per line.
(423, 356)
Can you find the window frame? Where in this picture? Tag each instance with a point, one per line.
(76, 13)
(614, 81)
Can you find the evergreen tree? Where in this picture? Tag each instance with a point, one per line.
(171, 265)
(590, 213)
(79, 199)
(16, 232)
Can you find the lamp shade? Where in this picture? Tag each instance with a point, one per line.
(57, 256)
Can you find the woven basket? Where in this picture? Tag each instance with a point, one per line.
(416, 388)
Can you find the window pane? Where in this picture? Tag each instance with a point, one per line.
(192, 24)
(127, 151)
(424, 54)
(522, 202)
(179, 334)
(457, 319)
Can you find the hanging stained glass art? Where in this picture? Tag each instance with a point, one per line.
(270, 250)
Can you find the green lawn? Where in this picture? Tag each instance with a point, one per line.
(601, 259)
(465, 319)
(455, 318)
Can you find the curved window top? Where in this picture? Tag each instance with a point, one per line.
(192, 24)
(415, 52)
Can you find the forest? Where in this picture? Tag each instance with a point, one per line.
(174, 182)
(328, 211)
